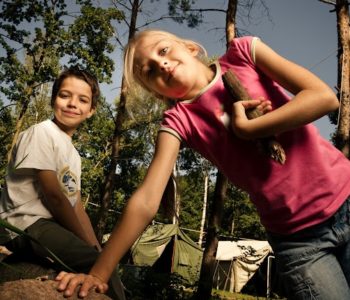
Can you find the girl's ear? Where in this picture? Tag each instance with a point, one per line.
(193, 48)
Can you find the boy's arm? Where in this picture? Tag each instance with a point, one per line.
(313, 98)
(138, 213)
(58, 204)
(86, 223)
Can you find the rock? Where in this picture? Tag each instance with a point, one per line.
(33, 289)
(13, 269)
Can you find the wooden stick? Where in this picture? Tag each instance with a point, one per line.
(269, 145)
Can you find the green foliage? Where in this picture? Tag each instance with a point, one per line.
(92, 140)
(45, 33)
(240, 211)
(89, 39)
(181, 11)
(147, 283)
(191, 188)
(7, 123)
(38, 110)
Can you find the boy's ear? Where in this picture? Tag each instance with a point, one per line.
(91, 112)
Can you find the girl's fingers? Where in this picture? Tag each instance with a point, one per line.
(69, 282)
(249, 103)
(92, 282)
(265, 106)
(261, 104)
(60, 275)
(64, 279)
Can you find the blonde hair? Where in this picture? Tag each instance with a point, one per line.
(129, 54)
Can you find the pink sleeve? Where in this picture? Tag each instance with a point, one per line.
(172, 124)
(240, 51)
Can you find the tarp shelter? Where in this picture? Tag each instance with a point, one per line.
(167, 246)
(236, 262)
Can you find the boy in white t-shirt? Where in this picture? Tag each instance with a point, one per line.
(42, 190)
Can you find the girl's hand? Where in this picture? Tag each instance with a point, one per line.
(240, 122)
(70, 281)
(265, 106)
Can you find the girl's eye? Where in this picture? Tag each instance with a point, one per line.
(164, 51)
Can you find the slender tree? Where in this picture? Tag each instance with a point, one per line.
(109, 183)
(342, 137)
(342, 118)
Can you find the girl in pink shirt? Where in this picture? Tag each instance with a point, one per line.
(302, 203)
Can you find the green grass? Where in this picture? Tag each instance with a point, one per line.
(225, 295)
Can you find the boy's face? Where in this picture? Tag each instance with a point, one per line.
(73, 104)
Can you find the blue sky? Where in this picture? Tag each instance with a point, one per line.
(303, 31)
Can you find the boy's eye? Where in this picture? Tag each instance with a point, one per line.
(63, 95)
(84, 100)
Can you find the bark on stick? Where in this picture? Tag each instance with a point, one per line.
(269, 145)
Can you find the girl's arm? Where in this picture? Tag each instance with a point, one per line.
(58, 204)
(313, 98)
(86, 223)
(138, 213)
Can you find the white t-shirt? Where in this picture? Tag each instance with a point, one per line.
(43, 146)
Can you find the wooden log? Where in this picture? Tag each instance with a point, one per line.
(269, 145)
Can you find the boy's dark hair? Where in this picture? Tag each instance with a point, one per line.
(80, 74)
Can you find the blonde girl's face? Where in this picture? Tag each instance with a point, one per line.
(168, 67)
(73, 104)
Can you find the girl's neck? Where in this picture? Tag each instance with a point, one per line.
(207, 76)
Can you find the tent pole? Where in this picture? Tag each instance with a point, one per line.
(268, 275)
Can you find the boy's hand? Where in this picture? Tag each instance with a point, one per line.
(70, 281)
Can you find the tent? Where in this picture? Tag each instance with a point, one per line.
(168, 248)
(236, 262)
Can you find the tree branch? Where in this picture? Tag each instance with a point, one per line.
(328, 2)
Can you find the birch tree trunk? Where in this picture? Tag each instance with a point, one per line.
(204, 211)
(209, 256)
(176, 197)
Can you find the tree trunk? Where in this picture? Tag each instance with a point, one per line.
(342, 141)
(230, 22)
(209, 256)
(204, 211)
(109, 183)
(176, 197)
(25, 103)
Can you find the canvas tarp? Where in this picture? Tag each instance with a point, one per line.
(168, 244)
(236, 262)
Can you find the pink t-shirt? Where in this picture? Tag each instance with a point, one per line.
(306, 190)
